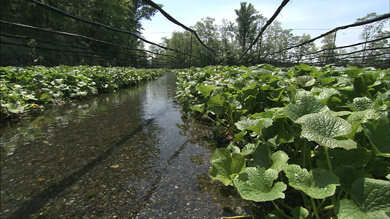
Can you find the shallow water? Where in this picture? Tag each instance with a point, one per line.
(129, 154)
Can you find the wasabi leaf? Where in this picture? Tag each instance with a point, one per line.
(378, 132)
(226, 166)
(306, 105)
(370, 200)
(317, 183)
(257, 184)
(323, 129)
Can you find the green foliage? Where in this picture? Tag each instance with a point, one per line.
(293, 132)
(23, 89)
(226, 166)
(370, 200)
(317, 183)
(257, 184)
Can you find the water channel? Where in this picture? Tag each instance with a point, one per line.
(128, 154)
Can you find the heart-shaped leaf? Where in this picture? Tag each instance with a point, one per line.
(300, 213)
(216, 104)
(378, 132)
(370, 200)
(255, 125)
(323, 129)
(362, 103)
(205, 90)
(306, 81)
(306, 105)
(257, 184)
(226, 166)
(317, 183)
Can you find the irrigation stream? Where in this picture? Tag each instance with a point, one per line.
(129, 154)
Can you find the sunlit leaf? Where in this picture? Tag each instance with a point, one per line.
(226, 166)
(324, 129)
(317, 183)
(257, 184)
(306, 105)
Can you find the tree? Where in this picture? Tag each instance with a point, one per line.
(208, 33)
(246, 21)
(301, 51)
(121, 14)
(373, 31)
(228, 42)
(327, 56)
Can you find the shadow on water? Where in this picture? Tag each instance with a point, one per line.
(126, 154)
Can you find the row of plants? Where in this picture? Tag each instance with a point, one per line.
(312, 142)
(23, 89)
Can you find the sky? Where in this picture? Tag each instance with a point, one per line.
(313, 17)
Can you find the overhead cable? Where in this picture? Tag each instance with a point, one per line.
(76, 35)
(58, 11)
(378, 18)
(173, 20)
(284, 3)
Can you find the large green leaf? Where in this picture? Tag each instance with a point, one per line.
(257, 184)
(378, 132)
(347, 175)
(262, 157)
(323, 129)
(327, 93)
(306, 105)
(300, 213)
(226, 166)
(251, 90)
(317, 183)
(306, 81)
(216, 104)
(205, 90)
(279, 160)
(370, 200)
(255, 125)
(362, 103)
(14, 107)
(362, 116)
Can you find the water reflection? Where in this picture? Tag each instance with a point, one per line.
(126, 154)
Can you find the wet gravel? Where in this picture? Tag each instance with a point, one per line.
(130, 154)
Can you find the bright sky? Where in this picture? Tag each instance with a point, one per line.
(299, 15)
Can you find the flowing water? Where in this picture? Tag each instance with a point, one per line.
(129, 154)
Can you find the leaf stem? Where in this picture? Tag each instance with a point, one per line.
(304, 154)
(284, 205)
(280, 211)
(314, 208)
(328, 159)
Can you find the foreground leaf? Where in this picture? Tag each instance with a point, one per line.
(378, 132)
(323, 129)
(226, 166)
(216, 104)
(370, 200)
(300, 213)
(256, 184)
(306, 105)
(205, 90)
(317, 183)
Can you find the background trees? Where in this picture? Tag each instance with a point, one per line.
(122, 14)
(228, 40)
